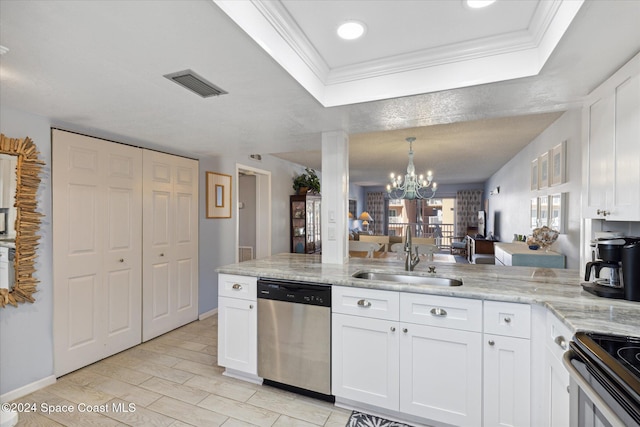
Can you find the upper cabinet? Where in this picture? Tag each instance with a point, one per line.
(611, 150)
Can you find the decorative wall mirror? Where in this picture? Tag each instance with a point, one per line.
(21, 236)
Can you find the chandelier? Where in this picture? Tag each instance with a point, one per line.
(412, 186)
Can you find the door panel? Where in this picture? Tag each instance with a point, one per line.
(160, 286)
(82, 318)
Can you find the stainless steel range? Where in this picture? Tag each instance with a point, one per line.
(605, 380)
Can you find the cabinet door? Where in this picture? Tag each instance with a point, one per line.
(600, 119)
(365, 360)
(238, 335)
(170, 243)
(625, 203)
(507, 381)
(557, 395)
(441, 374)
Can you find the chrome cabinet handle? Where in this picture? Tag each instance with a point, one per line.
(237, 286)
(602, 212)
(507, 320)
(162, 254)
(492, 342)
(405, 330)
(393, 329)
(251, 306)
(364, 303)
(561, 342)
(121, 260)
(438, 312)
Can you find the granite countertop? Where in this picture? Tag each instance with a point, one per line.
(557, 289)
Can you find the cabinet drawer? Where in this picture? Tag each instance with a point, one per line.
(508, 319)
(447, 312)
(365, 302)
(234, 286)
(557, 335)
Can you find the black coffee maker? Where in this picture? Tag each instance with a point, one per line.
(630, 277)
(609, 253)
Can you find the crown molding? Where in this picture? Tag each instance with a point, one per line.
(507, 56)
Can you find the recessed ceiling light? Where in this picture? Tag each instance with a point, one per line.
(479, 4)
(351, 30)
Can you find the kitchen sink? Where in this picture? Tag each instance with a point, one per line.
(406, 278)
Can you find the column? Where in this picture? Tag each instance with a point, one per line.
(335, 197)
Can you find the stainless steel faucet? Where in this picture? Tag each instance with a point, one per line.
(411, 259)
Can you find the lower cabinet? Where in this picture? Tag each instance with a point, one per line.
(556, 381)
(506, 381)
(441, 374)
(507, 364)
(238, 324)
(365, 360)
(418, 369)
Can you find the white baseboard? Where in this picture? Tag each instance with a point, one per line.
(29, 388)
(208, 314)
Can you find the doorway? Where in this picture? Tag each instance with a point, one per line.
(253, 210)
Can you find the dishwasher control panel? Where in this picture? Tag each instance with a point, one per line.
(295, 292)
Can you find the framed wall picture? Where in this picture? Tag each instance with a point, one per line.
(534, 175)
(543, 170)
(353, 209)
(543, 211)
(558, 156)
(556, 212)
(534, 213)
(218, 195)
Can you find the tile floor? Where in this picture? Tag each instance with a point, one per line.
(173, 380)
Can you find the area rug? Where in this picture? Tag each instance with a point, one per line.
(358, 419)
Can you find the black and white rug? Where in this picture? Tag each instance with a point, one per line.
(358, 419)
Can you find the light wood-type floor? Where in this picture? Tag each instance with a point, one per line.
(173, 380)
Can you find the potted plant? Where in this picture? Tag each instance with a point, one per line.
(307, 181)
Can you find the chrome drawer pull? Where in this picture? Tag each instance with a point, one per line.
(492, 342)
(507, 320)
(439, 312)
(561, 342)
(393, 329)
(237, 286)
(364, 303)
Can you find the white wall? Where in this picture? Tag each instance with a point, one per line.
(511, 206)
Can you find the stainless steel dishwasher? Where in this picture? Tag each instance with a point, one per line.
(294, 336)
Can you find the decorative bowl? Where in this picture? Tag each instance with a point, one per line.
(543, 237)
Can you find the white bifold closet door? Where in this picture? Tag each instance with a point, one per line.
(97, 249)
(170, 243)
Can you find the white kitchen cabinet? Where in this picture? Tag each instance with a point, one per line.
(507, 361)
(441, 374)
(238, 325)
(365, 360)
(556, 381)
(611, 154)
(422, 357)
(507, 381)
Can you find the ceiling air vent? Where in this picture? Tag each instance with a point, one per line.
(195, 83)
